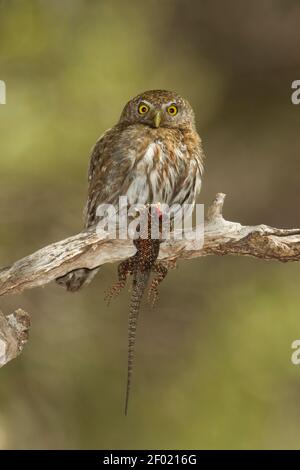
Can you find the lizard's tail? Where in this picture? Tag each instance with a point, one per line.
(139, 286)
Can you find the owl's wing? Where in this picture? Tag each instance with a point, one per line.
(188, 183)
(108, 170)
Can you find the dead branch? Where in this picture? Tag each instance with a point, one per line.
(14, 330)
(88, 250)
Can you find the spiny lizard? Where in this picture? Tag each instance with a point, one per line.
(140, 267)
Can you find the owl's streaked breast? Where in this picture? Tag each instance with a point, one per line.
(147, 165)
(165, 173)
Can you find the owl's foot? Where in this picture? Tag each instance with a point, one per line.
(161, 272)
(124, 269)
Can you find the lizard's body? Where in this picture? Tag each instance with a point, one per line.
(140, 267)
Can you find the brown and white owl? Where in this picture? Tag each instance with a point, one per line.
(152, 155)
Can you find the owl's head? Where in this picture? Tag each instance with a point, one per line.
(159, 108)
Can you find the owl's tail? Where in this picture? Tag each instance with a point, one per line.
(75, 280)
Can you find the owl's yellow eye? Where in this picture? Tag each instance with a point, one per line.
(143, 108)
(172, 110)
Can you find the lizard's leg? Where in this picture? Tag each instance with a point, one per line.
(171, 264)
(124, 269)
(161, 271)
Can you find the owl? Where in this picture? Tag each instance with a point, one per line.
(152, 155)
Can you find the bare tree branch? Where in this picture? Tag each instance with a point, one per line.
(89, 250)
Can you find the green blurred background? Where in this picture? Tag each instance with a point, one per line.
(213, 365)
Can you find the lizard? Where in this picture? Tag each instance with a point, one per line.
(140, 266)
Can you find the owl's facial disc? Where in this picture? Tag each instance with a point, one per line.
(157, 116)
(159, 108)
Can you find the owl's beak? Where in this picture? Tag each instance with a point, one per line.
(157, 119)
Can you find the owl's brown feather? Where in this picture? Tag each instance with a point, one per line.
(148, 165)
